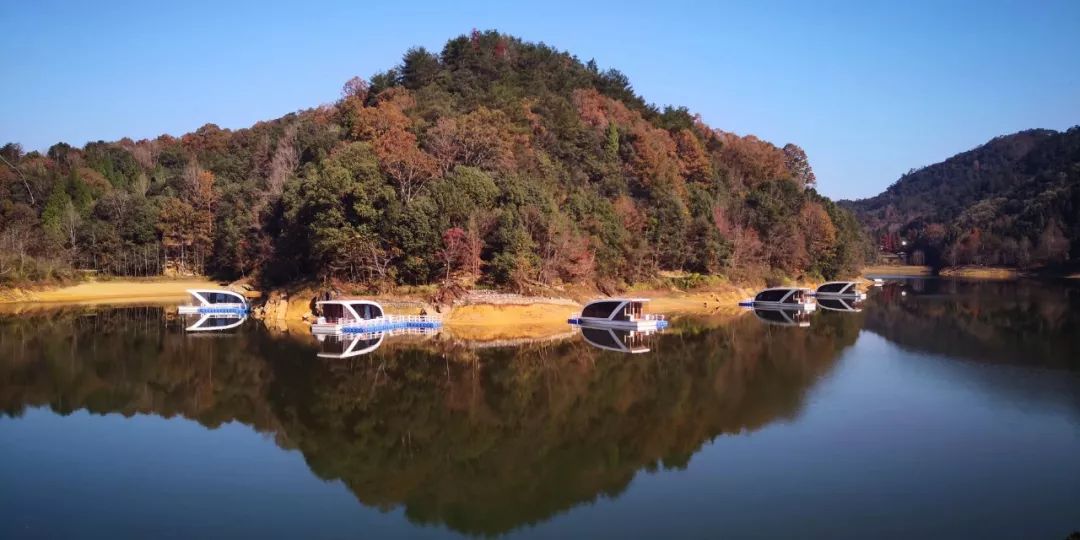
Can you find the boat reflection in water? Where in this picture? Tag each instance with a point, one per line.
(840, 304)
(216, 322)
(784, 317)
(618, 340)
(349, 345)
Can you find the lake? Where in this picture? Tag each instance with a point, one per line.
(942, 409)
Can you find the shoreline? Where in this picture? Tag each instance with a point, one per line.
(484, 317)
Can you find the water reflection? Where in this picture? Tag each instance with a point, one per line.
(839, 304)
(617, 340)
(783, 317)
(483, 441)
(349, 345)
(218, 322)
(1024, 322)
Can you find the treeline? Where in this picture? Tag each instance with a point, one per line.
(496, 160)
(1014, 201)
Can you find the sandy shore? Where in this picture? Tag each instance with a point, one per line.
(897, 270)
(981, 272)
(112, 292)
(531, 318)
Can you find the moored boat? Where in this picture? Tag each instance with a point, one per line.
(364, 316)
(787, 298)
(620, 313)
(840, 289)
(213, 301)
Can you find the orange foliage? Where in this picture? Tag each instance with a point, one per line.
(818, 228)
(694, 163)
(752, 160)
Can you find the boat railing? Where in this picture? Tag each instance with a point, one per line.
(427, 319)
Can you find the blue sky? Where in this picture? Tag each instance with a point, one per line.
(868, 89)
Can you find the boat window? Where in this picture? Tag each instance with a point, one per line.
(795, 298)
(831, 287)
(333, 312)
(600, 310)
(772, 295)
(600, 337)
(849, 289)
(367, 311)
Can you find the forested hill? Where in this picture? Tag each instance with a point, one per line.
(495, 160)
(1014, 201)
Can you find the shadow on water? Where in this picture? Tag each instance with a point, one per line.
(481, 440)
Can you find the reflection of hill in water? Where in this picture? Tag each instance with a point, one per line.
(482, 441)
(1017, 322)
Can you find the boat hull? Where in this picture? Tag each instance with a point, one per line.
(805, 306)
(856, 296)
(380, 324)
(636, 326)
(223, 309)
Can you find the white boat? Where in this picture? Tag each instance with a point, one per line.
(620, 313)
(365, 316)
(211, 301)
(349, 346)
(784, 317)
(216, 322)
(613, 339)
(787, 298)
(840, 289)
(839, 304)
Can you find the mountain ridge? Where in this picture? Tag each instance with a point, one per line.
(1012, 201)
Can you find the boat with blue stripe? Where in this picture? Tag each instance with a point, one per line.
(365, 316)
(214, 302)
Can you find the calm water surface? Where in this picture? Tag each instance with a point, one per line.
(943, 409)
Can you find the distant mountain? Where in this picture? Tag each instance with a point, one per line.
(1014, 201)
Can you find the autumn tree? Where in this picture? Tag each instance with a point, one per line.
(799, 166)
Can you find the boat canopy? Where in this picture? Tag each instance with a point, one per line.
(838, 287)
(615, 309)
(212, 297)
(784, 295)
(356, 310)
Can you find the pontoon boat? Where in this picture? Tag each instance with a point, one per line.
(787, 298)
(209, 301)
(363, 316)
(840, 289)
(620, 313)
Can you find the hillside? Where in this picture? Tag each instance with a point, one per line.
(496, 160)
(1014, 201)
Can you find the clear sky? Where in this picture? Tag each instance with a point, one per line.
(868, 89)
